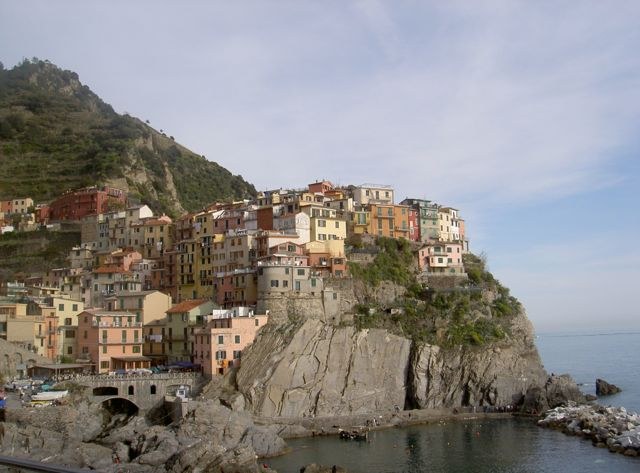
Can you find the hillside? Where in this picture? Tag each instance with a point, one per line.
(56, 134)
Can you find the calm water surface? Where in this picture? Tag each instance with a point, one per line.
(513, 445)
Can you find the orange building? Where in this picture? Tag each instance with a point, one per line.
(110, 340)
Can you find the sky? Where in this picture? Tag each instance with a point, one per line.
(523, 115)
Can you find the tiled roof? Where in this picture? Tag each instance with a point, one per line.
(186, 306)
(110, 269)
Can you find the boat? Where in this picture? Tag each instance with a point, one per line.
(354, 434)
(49, 395)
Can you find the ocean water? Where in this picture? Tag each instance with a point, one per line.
(503, 446)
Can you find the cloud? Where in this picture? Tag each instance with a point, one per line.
(489, 102)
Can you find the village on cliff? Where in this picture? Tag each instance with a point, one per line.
(143, 291)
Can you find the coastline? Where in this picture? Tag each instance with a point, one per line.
(299, 427)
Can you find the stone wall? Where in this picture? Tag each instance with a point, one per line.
(333, 304)
(15, 360)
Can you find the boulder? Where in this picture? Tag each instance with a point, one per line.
(605, 389)
(556, 391)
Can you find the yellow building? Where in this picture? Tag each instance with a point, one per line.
(326, 224)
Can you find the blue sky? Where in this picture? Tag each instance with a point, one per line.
(522, 114)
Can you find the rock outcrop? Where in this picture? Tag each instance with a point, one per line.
(210, 438)
(493, 375)
(556, 391)
(321, 370)
(605, 389)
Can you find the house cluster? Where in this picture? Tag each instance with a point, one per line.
(144, 290)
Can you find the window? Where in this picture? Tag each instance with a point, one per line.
(236, 354)
(322, 223)
(85, 334)
(220, 339)
(104, 349)
(337, 224)
(69, 350)
(313, 282)
(67, 321)
(285, 283)
(221, 355)
(300, 272)
(61, 307)
(439, 260)
(274, 283)
(257, 322)
(335, 296)
(136, 349)
(237, 339)
(74, 307)
(104, 365)
(152, 389)
(130, 390)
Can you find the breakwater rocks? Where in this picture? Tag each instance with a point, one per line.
(610, 427)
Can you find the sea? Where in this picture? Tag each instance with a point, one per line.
(513, 445)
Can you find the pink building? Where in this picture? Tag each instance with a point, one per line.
(110, 340)
(218, 346)
(441, 258)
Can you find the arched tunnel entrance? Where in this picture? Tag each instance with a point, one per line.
(118, 405)
(116, 413)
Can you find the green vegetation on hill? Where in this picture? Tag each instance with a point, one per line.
(35, 251)
(475, 313)
(56, 134)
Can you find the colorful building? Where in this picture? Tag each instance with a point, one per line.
(218, 346)
(182, 319)
(110, 340)
(74, 205)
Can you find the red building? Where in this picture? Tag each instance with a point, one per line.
(73, 205)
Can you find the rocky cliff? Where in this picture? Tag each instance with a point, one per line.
(498, 374)
(323, 370)
(406, 345)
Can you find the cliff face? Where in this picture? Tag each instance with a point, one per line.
(497, 374)
(319, 369)
(324, 370)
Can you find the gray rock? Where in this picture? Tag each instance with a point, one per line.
(321, 370)
(605, 389)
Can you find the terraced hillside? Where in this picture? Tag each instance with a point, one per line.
(56, 134)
